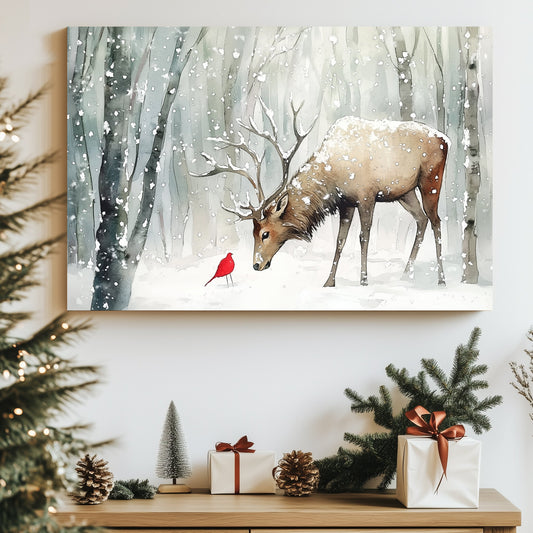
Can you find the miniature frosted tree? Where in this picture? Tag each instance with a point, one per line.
(173, 460)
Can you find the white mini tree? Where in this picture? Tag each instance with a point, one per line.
(173, 461)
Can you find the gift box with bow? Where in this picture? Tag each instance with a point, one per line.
(238, 469)
(437, 468)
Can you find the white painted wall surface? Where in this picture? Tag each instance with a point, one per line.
(279, 377)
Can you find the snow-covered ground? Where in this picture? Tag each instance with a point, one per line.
(293, 282)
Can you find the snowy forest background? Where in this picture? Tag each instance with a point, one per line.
(151, 98)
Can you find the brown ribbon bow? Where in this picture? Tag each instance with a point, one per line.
(431, 429)
(243, 445)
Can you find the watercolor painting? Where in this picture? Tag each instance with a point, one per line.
(279, 168)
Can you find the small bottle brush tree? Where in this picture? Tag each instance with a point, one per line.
(37, 382)
(374, 454)
(173, 460)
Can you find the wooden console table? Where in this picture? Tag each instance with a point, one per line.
(325, 513)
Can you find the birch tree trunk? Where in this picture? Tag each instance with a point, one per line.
(472, 173)
(407, 112)
(149, 187)
(118, 256)
(202, 224)
(179, 191)
(111, 236)
(81, 190)
(235, 47)
(352, 42)
(405, 78)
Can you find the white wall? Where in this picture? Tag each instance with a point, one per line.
(279, 377)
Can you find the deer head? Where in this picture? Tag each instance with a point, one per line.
(269, 228)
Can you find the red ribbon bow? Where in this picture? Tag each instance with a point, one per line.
(431, 429)
(243, 445)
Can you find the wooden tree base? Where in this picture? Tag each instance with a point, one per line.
(173, 489)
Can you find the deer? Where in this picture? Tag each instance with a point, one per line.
(358, 164)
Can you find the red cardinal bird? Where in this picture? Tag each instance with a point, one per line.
(225, 268)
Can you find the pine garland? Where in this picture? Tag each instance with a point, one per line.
(36, 382)
(133, 488)
(375, 453)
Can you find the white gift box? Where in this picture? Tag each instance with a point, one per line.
(254, 472)
(420, 470)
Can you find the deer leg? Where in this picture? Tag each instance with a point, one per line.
(438, 247)
(430, 207)
(411, 204)
(366, 214)
(345, 221)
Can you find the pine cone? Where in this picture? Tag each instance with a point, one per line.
(296, 473)
(96, 481)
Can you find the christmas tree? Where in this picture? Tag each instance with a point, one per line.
(375, 453)
(38, 383)
(173, 460)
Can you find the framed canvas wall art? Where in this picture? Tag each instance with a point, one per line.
(272, 168)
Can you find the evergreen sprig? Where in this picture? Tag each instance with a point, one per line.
(37, 382)
(375, 453)
(132, 488)
(523, 375)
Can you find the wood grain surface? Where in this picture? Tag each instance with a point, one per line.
(249, 511)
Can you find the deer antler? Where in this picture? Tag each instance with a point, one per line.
(272, 137)
(231, 167)
(257, 160)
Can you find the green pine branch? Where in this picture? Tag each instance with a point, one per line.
(16, 177)
(9, 320)
(37, 382)
(18, 269)
(374, 454)
(18, 113)
(16, 221)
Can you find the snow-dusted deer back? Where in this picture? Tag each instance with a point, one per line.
(359, 163)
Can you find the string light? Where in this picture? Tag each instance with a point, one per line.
(42, 370)
(65, 325)
(23, 364)
(20, 372)
(6, 374)
(46, 431)
(52, 509)
(3, 483)
(32, 433)
(15, 138)
(18, 411)
(53, 337)
(18, 267)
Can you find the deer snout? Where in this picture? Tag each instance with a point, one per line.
(257, 266)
